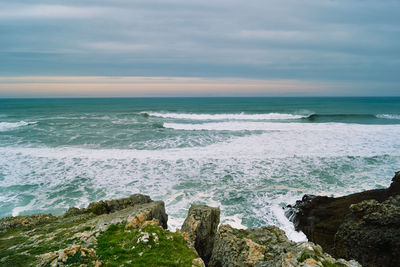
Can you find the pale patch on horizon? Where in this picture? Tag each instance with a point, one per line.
(108, 86)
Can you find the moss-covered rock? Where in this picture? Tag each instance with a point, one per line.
(25, 221)
(150, 245)
(68, 240)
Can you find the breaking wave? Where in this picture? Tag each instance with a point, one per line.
(389, 116)
(226, 116)
(7, 126)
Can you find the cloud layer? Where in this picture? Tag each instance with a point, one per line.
(330, 41)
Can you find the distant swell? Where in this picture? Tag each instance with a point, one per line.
(227, 116)
(7, 126)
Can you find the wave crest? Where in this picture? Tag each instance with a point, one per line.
(7, 126)
(389, 116)
(225, 116)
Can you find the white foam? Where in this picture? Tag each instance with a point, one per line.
(7, 126)
(248, 177)
(286, 225)
(275, 126)
(389, 116)
(279, 140)
(235, 221)
(234, 116)
(18, 210)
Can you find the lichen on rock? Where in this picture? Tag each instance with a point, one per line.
(267, 246)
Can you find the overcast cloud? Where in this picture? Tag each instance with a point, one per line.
(312, 40)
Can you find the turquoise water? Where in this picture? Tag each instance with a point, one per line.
(249, 156)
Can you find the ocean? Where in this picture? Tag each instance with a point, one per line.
(248, 156)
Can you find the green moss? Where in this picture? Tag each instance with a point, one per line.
(305, 256)
(18, 248)
(241, 234)
(97, 208)
(86, 228)
(21, 246)
(117, 247)
(9, 258)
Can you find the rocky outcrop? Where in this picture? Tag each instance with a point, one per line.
(81, 235)
(134, 216)
(199, 229)
(371, 233)
(108, 206)
(269, 247)
(66, 256)
(132, 232)
(25, 221)
(339, 224)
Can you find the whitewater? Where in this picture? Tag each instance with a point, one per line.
(250, 157)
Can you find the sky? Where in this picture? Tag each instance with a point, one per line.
(199, 48)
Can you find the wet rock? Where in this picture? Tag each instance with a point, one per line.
(320, 217)
(199, 229)
(371, 233)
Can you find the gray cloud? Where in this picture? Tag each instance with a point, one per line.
(351, 40)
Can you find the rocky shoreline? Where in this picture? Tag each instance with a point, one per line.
(364, 226)
(133, 232)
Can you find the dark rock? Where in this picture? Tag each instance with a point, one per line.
(371, 233)
(395, 186)
(320, 217)
(199, 229)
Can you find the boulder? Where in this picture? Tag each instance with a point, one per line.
(234, 247)
(362, 226)
(199, 229)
